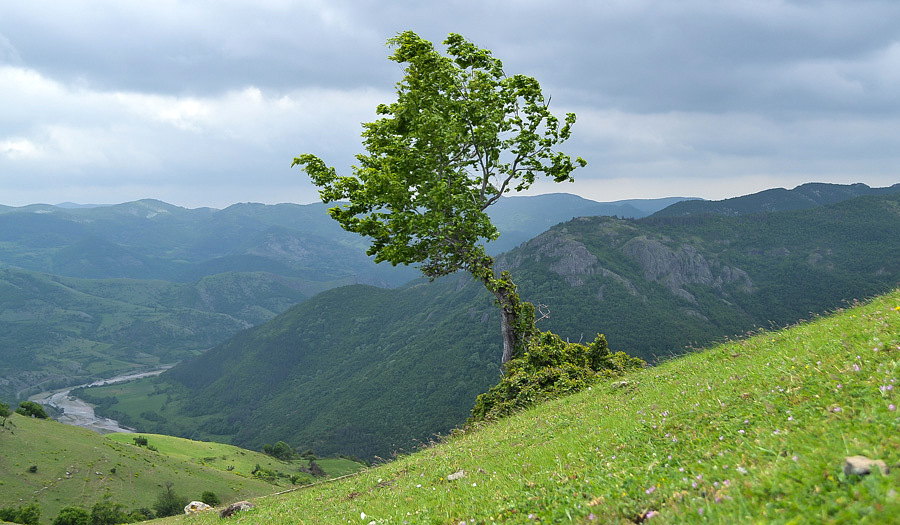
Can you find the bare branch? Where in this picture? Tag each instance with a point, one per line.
(544, 310)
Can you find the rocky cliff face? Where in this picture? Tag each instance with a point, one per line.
(658, 260)
(567, 257)
(676, 267)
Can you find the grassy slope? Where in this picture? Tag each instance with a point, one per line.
(750, 431)
(140, 474)
(221, 456)
(89, 458)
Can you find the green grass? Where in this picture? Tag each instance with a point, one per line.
(751, 431)
(221, 456)
(76, 466)
(215, 455)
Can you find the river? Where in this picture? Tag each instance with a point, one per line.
(79, 413)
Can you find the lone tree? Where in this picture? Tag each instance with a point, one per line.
(460, 135)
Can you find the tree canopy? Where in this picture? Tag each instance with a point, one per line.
(31, 409)
(461, 134)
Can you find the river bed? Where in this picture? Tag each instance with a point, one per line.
(79, 413)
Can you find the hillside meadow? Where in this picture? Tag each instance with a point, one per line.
(750, 431)
(57, 465)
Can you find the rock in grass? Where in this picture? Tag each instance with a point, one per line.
(456, 475)
(862, 466)
(234, 508)
(195, 507)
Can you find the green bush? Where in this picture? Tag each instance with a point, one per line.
(549, 368)
(168, 503)
(210, 498)
(28, 515)
(265, 474)
(105, 512)
(31, 409)
(72, 516)
(280, 450)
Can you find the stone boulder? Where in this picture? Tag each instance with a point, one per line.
(195, 507)
(863, 466)
(234, 508)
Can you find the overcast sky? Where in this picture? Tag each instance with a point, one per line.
(206, 102)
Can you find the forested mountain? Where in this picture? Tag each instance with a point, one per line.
(521, 218)
(365, 371)
(57, 331)
(87, 292)
(150, 239)
(803, 197)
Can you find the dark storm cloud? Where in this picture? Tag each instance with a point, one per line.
(641, 56)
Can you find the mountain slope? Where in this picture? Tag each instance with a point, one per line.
(656, 285)
(75, 466)
(150, 239)
(368, 371)
(803, 197)
(753, 431)
(99, 304)
(520, 218)
(57, 331)
(326, 372)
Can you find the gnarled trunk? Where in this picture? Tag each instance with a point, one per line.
(507, 327)
(516, 317)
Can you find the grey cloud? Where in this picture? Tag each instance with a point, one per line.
(179, 47)
(8, 53)
(638, 55)
(104, 96)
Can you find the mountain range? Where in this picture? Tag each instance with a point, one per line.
(88, 292)
(803, 197)
(368, 371)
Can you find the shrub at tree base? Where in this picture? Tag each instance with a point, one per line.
(550, 368)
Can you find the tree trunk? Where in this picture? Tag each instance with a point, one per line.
(516, 317)
(507, 327)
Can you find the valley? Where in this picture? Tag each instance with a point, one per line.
(322, 374)
(74, 411)
(339, 358)
(88, 293)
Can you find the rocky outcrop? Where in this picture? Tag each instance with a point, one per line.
(567, 258)
(675, 268)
